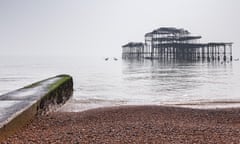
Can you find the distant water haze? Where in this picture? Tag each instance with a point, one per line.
(99, 83)
(100, 28)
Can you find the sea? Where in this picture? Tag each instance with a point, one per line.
(103, 83)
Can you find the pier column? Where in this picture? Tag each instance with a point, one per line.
(208, 57)
(218, 49)
(152, 52)
(230, 52)
(167, 52)
(161, 52)
(213, 53)
(224, 53)
(203, 52)
(198, 53)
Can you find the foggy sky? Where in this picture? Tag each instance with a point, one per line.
(101, 27)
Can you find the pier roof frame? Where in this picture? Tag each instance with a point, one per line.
(219, 43)
(133, 44)
(193, 45)
(168, 30)
(173, 38)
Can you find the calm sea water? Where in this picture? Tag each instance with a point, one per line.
(109, 83)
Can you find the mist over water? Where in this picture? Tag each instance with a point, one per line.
(109, 83)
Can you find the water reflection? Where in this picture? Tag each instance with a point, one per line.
(172, 81)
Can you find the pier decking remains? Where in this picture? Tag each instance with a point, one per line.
(174, 43)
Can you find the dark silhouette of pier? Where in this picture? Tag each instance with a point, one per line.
(173, 43)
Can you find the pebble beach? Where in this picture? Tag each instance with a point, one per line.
(133, 124)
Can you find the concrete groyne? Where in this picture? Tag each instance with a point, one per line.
(18, 107)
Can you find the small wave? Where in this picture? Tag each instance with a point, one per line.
(95, 100)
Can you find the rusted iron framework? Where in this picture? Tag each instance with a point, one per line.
(173, 43)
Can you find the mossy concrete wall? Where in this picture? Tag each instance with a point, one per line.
(21, 106)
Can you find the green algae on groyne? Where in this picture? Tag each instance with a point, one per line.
(18, 107)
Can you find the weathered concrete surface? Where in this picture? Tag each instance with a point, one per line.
(17, 108)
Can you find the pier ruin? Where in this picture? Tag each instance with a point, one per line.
(172, 43)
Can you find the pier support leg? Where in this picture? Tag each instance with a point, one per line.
(208, 57)
(231, 53)
(224, 53)
(218, 53)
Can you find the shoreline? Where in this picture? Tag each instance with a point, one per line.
(80, 106)
(139, 124)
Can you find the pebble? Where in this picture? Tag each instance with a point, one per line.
(133, 124)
